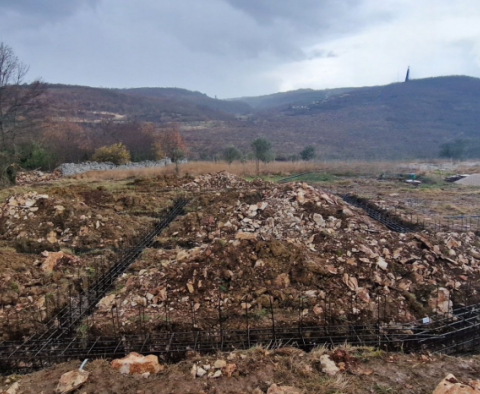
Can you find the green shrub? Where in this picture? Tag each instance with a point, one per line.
(34, 156)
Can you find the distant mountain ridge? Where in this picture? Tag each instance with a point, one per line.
(198, 98)
(87, 103)
(395, 121)
(300, 96)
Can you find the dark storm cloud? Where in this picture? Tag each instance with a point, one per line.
(241, 47)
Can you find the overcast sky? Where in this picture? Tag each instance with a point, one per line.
(233, 48)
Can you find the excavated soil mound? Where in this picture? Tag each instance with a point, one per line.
(245, 248)
(56, 242)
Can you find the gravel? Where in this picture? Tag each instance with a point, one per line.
(76, 168)
(471, 180)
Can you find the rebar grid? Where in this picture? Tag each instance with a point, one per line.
(81, 305)
(456, 332)
(401, 223)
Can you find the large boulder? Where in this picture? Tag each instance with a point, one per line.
(450, 385)
(71, 380)
(440, 301)
(136, 363)
(54, 259)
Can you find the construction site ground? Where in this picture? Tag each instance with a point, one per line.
(365, 371)
(242, 250)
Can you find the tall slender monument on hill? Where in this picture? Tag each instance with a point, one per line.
(407, 77)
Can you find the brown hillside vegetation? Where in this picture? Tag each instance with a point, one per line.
(397, 121)
(86, 104)
(201, 99)
(403, 120)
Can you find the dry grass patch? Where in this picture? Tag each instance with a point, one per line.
(248, 169)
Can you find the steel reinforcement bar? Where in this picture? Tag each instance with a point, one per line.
(64, 322)
(453, 333)
(375, 214)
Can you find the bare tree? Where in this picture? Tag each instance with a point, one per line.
(20, 103)
(172, 143)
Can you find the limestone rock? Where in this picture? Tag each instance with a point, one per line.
(13, 389)
(440, 301)
(282, 280)
(318, 219)
(220, 364)
(450, 385)
(136, 363)
(328, 366)
(350, 281)
(382, 264)
(199, 372)
(71, 380)
(52, 237)
(52, 260)
(230, 369)
(243, 235)
(106, 303)
(363, 295)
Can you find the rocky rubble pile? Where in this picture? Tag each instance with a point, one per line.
(58, 238)
(37, 222)
(294, 248)
(30, 177)
(220, 180)
(32, 286)
(45, 220)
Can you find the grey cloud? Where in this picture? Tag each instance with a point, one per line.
(44, 10)
(320, 54)
(227, 47)
(306, 11)
(321, 16)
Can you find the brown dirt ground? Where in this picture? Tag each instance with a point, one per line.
(366, 371)
(429, 200)
(96, 220)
